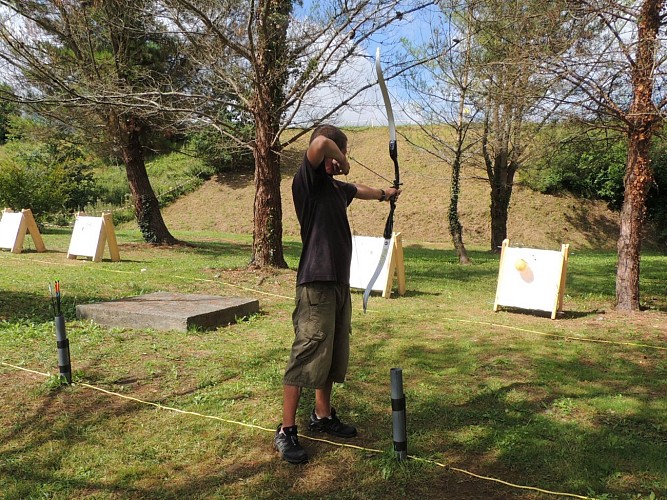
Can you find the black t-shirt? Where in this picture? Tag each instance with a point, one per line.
(321, 203)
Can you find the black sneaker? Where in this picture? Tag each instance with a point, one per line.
(287, 443)
(331, 425)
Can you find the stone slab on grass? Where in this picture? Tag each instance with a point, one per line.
(169, 311)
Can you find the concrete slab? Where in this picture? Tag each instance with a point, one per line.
(169, 311)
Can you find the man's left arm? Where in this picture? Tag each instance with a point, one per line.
(371, 193)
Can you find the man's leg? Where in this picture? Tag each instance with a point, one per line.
(291, 395)
(323, 401)
(324, 419)
(286, 440)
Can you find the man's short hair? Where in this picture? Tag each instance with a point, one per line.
(331, 132)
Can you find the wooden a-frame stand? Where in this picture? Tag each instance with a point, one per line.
(13, 228)
(396, 267)
(365, 259)
(89, 236)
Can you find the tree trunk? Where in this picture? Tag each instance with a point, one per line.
(637, 182)
(267, 246)
(644, 119)
(271, 52)
(455, 226)
(501, 179)
(146, 207)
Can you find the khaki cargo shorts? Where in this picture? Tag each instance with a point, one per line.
(322, 324)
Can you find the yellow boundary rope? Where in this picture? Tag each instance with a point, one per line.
(333, 443)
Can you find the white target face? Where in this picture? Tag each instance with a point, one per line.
(86, 236)
(529, 278)
(10, 225)
(366, 252)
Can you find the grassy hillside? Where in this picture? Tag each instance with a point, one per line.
(225, 203)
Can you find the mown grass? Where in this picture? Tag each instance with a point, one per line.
(576, 405)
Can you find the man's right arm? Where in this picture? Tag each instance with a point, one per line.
(321, 148)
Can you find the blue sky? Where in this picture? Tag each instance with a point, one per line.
(368, 108)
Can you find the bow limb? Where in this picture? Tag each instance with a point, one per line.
(393, 153)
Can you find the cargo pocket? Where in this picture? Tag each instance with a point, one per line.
(316, 326)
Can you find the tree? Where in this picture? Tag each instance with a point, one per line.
(260, 61)
(98, 66)
(440, 102)
(8, 108)
(515, 42)
(621, 80)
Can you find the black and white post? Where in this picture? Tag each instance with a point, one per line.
(64, 365)
(398, 414)
(62, 343)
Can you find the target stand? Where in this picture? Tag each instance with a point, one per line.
(13, 228)
(366, 251)
(90, 235)
(531, 279)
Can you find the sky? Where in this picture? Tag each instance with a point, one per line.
(368, 108)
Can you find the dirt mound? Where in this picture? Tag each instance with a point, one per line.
(225, 203)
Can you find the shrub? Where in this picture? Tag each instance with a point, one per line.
(657, 202)
(8, 110)
(591, 165)
(219, 153)
(49, 178)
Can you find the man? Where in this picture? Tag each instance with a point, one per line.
(323, 311)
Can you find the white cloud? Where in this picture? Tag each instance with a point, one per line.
(365, 109)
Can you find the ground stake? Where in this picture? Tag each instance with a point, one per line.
(398, 414)
(63, 349)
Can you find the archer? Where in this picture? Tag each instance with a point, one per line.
(323, 311)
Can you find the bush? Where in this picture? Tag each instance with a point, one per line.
(219, 153)
(112, 185)
(49, 178)
(590, 165)
(8, 110)
(657, 202)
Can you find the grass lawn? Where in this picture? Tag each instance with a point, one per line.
(572, 407)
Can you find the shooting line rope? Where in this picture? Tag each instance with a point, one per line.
(333, 443)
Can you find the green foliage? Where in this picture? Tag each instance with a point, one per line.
(657, 202)
(47, 178)
(112, 185)
(590, 165)
(220, 153)
(8, 110)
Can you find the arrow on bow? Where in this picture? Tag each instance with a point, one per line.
(393, 153)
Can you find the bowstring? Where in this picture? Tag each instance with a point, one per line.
(391, 183)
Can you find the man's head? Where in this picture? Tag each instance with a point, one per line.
(331, 132)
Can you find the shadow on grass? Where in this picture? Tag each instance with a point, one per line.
(62, 422)
(29, 307)
(575, 425)
(291, 249)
